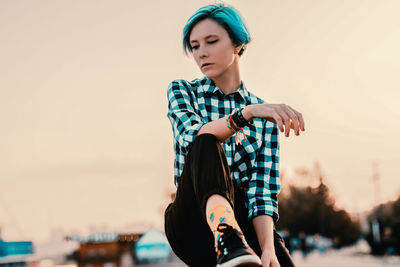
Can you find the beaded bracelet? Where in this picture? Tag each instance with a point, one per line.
(235, 129)
(233, 124)
(229, 124)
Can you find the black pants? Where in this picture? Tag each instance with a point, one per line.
(206, 172)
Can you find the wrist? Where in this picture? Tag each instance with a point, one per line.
(267, 243)
(269, 246)
(248, 112)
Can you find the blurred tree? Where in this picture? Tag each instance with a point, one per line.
(388, 217)
(312, 210)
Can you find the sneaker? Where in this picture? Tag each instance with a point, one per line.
(232, 249)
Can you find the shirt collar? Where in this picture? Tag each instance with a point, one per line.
(211, 87)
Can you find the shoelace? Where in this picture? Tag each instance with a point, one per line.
(229, 240)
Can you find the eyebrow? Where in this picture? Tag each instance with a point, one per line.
(208, 36)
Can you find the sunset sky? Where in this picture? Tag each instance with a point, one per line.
(85, 141)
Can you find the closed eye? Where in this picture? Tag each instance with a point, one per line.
(210, 42)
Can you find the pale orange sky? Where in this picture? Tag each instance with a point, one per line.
(84, 135)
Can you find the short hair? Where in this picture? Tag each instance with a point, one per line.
(226, 16)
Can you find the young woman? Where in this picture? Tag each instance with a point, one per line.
(226, 153)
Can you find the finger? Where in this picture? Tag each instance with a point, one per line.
(275, 263)
(302, 122)
(295, 124)
(286, 120)
(278, 120)
(300, 118)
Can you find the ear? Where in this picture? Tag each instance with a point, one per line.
(239, 47)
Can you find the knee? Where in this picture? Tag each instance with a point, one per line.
(206, 137)
(205, 142)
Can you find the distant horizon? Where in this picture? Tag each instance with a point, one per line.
(143, 225)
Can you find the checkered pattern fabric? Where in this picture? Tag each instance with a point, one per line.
(254, 164)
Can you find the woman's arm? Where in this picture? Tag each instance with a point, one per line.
(264, 227)
(279, 113)
(219, 128)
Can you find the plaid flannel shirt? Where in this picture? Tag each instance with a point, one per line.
(254, 164)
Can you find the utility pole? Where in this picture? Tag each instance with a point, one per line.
(375, 227)
(376, 181)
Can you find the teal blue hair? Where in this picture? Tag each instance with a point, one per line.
(226, 16)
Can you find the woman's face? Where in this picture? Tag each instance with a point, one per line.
(212, 48)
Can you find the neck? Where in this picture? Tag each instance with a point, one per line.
(229, 81)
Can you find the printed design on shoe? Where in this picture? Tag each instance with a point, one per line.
(232, 249)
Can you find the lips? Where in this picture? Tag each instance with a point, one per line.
(206, 64)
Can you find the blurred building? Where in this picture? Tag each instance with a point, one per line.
(16, 254)
(105, 249)
(121, 250)
(153, 247)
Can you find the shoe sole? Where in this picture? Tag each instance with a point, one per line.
(242, 261)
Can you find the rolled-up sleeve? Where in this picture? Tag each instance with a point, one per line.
(184, 120)
(264, 184)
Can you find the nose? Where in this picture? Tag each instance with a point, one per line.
(203, 53)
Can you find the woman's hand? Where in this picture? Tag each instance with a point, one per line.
(281, 114)
(269, 259)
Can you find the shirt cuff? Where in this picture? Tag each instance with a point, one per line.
(192, 132)
(262, 207)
